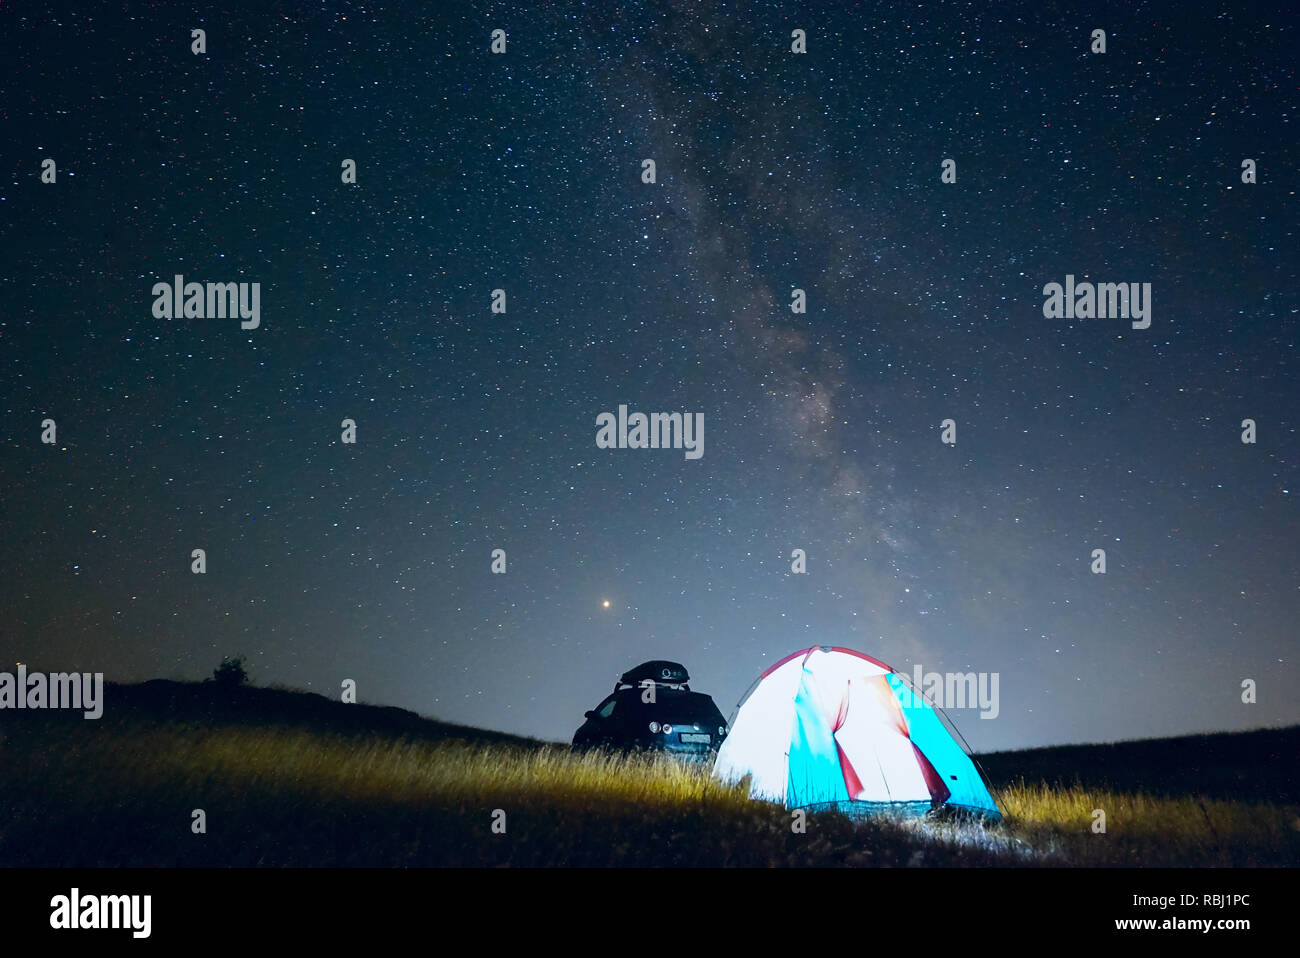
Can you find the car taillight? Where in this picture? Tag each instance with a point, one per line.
(654, 726)
(668, 729)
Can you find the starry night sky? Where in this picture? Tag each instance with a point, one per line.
(477, 431)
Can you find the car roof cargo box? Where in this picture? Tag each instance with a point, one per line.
(658, 671)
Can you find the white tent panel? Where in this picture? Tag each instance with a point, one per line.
(759, 741)
(877, 747)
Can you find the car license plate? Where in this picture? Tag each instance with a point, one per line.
(702, 738)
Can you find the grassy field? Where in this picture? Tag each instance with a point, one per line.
(289, 779)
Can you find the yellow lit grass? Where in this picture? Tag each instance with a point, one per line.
(406, 771)
(294, 795)
(1149, 829)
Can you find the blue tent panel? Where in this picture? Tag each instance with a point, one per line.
(937, 744)
(815, 773)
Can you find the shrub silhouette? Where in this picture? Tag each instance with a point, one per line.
(230, 673)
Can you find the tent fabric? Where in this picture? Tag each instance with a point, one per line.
(831, 726)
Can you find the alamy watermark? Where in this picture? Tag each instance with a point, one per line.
(955, 690)
(1098, 301)
(659, 430)
(57, 690)
(182, 300)
(75, 910)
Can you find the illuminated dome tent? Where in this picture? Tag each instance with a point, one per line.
(830, 726)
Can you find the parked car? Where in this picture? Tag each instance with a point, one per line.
(652, 707)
